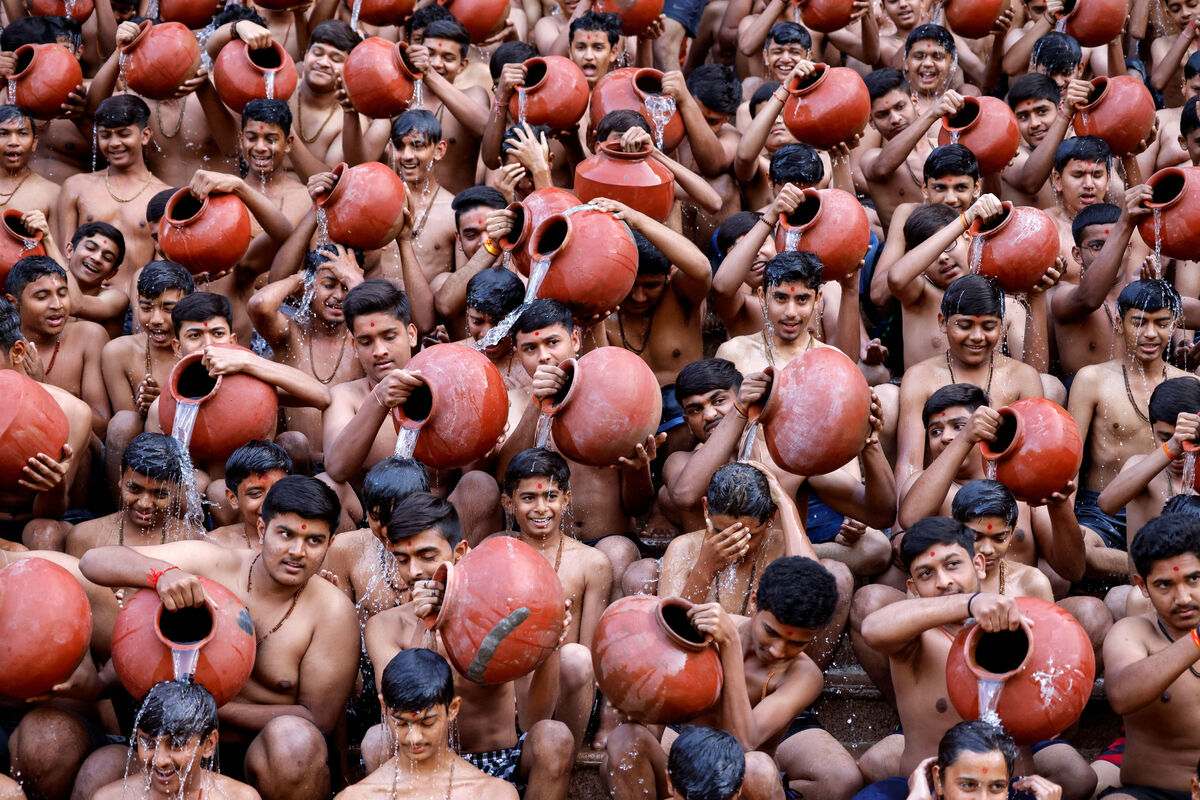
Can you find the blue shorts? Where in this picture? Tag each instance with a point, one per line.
(687, 13)
(823, 523)
(1110, 527)
(886, 789)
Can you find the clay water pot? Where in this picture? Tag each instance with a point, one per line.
(1176, 201)
(241, 74)
(610, 404)
(556, 93)
(233, 408)
(593, 260)
(459, 409)
(31, 422)
(45, 75)
(160, 58)
(1045, 671)
(193, 13)
(988, 128)
(16, 242)
(214, 643)
(973, 18)
(652, 664)
(209, 235)
(1120, 111)
(1037, 451)
(827, 108)
(45, 626)
(502, 611)
(825, 16)
(1015, 248)
(78, 10)
(815, 419)
(483, 19)
(833, 225)
(627, 89)
(635, 179)
(636, 15)
(382, 12)
(538, 206)
(1094, 22)
(365, 208)
(379, 77)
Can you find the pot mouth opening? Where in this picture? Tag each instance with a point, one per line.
(806, 212)
(12, 221)
(187, 628)
(965, 115)
(510, 240)
(675, 618)
(649, 81)
(535, 72)
(419, 404)
(809, 82)
(442, 576)
(145, 26)
(1166, 189)
(554, 235)
(553, 403)
(1068, 7)
(195, 383)
(1000, 654)
(1099, 87)
(996, 222)
(183, 208)
(25, 56)
(402, 54)
(267, 59)
(1006, 436)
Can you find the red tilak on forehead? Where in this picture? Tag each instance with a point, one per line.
(1175, 568)
(540, 486)
(372, 324)
(985, 770)
(537, 333)
(933, 555)
(303, 527)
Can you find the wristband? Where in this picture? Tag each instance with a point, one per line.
(377, 400)
(152, 575)
(970, 600)
(491, 246)
(739, 410)
(233, 34)
(1196, 638)
(780, 99)
(1167, 450)
(963, 219)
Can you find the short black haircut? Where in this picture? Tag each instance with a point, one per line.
(10, 112)
(375, 296)
(155, 455)
(925, 221)
(334, 33)
(255, 457)
(537, 462)
(452, 31)
(420, 19)
(416, 120)
(702, 377)
(495, 292)
(10, 326)
(955, 395)
(798, 591)
(123, 110)
(796, 163)
(157, 207)
(1032, 86)
(884, 81)
(416, 680)
(760, 95)
(1165, 536)
(542, 313)
(270, 112)
(950, 159)
(27, 30)
(28, 270)
(389, 482)
(733, 228)
(1146, 295)
(931, 531)
(1188, 119)
(651, 260)
(717, 87)
(1173, 397)
(931, 33)
(177, 710)
(975, 736)
(788, 33)
(596, 21)
(160, 276)
(706, 764)
(474, 197)
(973, 295)
(200, 307)
(740, 490)
(514, 52)
(984, 498)
(1082, 148)
(1056, 52)
(620, 120)
(422, 511)
(1095, 214)
(98, 228)
(794, 266)
(307, 498)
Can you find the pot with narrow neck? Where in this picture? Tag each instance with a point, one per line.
(31, 422)
(1174, 226)
(988, 128)
(1015, 248)
(45, 75)
(365, 208)
(17, 242)
(827, 108)
(159, 59)
(555, 93)
(635, 179)
(379, 78)
(207, 235)
(1037, 450)
(833, 225)
(636, 89)
(1120, 111)
(241, 74)
(591, 259)
(538, 206)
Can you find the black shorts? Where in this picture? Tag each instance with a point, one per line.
(806, 720)
(1147, 793)
(686, 12)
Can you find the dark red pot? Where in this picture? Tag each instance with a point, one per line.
(193, 13)
(1120, 111)
(652, 664)
(833, 225)
(556, 93)
(1095, 22)
(502, 612)
(593, 260)
(627, 89)
(45, 626)
(16, 242)
(1177, 202)
(538, 206)
(636, 15)
(483, 19)
(45, 76)
(233, 408)
(379, 78)
(160, 58)
(31, 422)
(1046, 670)
(79, 11)
(1037, 451)
(635, 179)
(988, 128)
(383, 12)
(825, 16)
(148, 641)
(1015, 248)
(829, 107)
(365, 209)
(974, 19)
(209, 235)
(240, 74)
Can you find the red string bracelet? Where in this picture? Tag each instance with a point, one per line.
(152, 575)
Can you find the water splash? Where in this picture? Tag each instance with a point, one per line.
(418, 98)
(322, 226)
(747, 451)
(12, 91)
(975, 254)
(1061, 25)
(95, 145)
(305, 312)
(184, 660)
(354, 12)
(989, 697)
(1158, 269)
(989, 469)
(497, 332)
(406, 441)
(1189, 473)
(543, 430)
(522, 104)
(151, 10)
(186, 412)
(537, 274)
(660, 108)
(954, 136)
(270, 79)
(122, 63)
(70, 4)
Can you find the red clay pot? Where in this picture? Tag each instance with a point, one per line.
(160, 58)
(209, 235)
(1094, 22)
(1046, 670)
(240, 74)
(483, 19)
(833, 225)
(460, 409)
(816, 416)
(379, 77)
(627, 89)
(652, 664)
(610, 404)
(193, 13)
(1177, 201)
(16, 242)
(1120, 111)
(974, 18)
(825, 16)
(538, 206)
(829, 107)
(45, 626)
(365, 208)
(45, 75)
(502, 612)
(636, 15)
(148, 642)
(233, 408)
(79, 10)
(31, 422)
(988, 128)
(556, 93)
(593, 260)
(1037, 451)
(635, 179)
(382, 12)
(1015, 248)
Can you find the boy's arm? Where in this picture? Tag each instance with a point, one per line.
(264, 309)
(297, 386)
(1035, 170)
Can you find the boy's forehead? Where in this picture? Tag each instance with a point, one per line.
(941, 552)
(953, 412)
(950, 178)
(387, 322)
(556, 329)
(43, 282)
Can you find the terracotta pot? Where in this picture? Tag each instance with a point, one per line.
(460, 409)
(502, 612)
(988, 128)
(483, 19)
(593, 260)
(816, 417)
(1176, 203)
(636, 15)
(79, 10)
(241, 74)
(277, 5)
(635, 179)
(193, 13)
(160, 58)
(233, 408)
(973, 18)
(825, 16)
(209, 235)
(610, 404)
(652, 664)
(1015, 248)
(16, 242)
(45, 626)
(365, 208)
(1037, 451)
(556, 93)
(1045, 671)
(379, 77)
(1094, 22)
(214, 643)
(627, 89)
(833, 225)
(829, 107)
(538, 206)
(31, 422)
(1120, 111)
(382, 12)
(45, 75)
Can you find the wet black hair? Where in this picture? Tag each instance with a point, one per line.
(389, 482)
(789, 33)
(1032, 86)
(596, 21)
(155, 455)
(158, 206)
(474, 197)
(201, 307)
(706, 764)
(651, 260)
(269, 112)
(323, 253)
(97, 228)
(717, 87)
(334, 33)
(255, 457)
(452, 31)
(28, 270)
(67, 28)
(975, 736)
(733, 228)
(1191, 67)
(416, 680)
(760, 95)
(537, 462)
(740, 490)
(796, 163)
(160, 276)
(1165, 536)
(307, 498)
(10, 326)
(422, 511)
(1082, 148)
(619, 121)
(1095, 214)
(416, 120)
(514, 52)
(424, 16)
(27, 30)
(1149, 295)
(950, 159)
(10, 112)
(495, 292)
(235, 12)
(702, 377)
(931, 33)
(1173, 397)
(793, 267)
(884, 81)
(964, 395)
(542, 313)
(510, 140)
(798, 591)
(1056, 52)
(375, 296)
(984, 498)
(177, 710)
(122, 110)
(1187, 504)
(932, 531)
(925, 221)
(1189, 121)
(973, 295)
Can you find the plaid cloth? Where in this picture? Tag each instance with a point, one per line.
(500, 763)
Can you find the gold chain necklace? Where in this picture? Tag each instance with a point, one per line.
(336, 365)
(300, 123)
(991, 368)
(1129, 392)
(4, 198)
(291, 608)
(113, 194)
(178, 122)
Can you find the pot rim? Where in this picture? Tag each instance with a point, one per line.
(188, 646)
(1162, 174)
(976, 229)
(613, 150)
(507, 242)
(985, 446)
(979, 672)
(822, 71)
(1103, 83)
(134, 43)
(177, 372)
(967, 101)
(761, 411)
(545, 75)
(17, 76)
(549, 406)
(174, 200)
(404, 421)
(400, 52)
(808, 192)
(445, 576)
(540, 232)
(649, 72)
(15, 214)
(331, 196)
(686, 644)
(278, 48)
